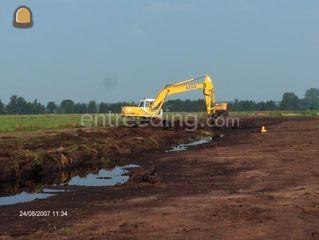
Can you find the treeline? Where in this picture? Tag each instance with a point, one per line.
(290, 101)
(18, 105)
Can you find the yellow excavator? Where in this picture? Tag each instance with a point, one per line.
(153, 108)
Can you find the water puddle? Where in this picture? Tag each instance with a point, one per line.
(102, 177)
(23, 197)
(184, 147)
(49, 190)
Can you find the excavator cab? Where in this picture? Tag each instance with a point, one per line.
(145, 103)
(142, 110)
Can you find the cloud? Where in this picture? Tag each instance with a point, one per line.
(167, 7)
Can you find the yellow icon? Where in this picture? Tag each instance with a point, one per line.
(263, 129)
(23, 17)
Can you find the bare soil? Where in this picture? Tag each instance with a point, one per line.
(246, 185)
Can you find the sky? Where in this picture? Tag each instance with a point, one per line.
(124, 50)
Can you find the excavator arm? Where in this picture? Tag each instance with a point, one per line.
(185, 86)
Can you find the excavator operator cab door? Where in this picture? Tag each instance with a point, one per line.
(141, 104)
(146, 103)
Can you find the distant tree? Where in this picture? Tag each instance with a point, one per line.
(22, 106)
(59, 110)
(266, 106)
(235, 105)
(175, 105)
(248, 105)
(2, 107)
(116, 107)
(311, 99)
(67, 106)
(36, 108)
(81, 108)
(271, 105)
(18, 105)
(11, 108)
(92, 107)
(200, 105)
(104, 107)
(52, 107)
(244, 105)
(290, 101)
(187, 106)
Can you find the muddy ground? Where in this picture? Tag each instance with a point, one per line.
(28, 159)
(246, 185)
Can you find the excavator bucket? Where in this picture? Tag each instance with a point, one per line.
(221, 109)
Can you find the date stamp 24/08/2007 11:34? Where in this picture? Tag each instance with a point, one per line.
(33, 213)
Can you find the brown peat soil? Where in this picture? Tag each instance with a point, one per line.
(245, 185)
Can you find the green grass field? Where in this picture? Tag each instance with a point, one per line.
(36, 122)
(10, 123)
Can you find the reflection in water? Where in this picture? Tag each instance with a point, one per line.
(83, 177)
(103, 177)
(49, 190)
(23, 197)
(183, 147)
(52, 178)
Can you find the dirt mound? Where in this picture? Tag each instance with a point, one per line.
(145, 176)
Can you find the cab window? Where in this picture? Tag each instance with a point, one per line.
(141, 104)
